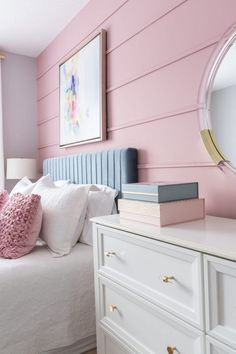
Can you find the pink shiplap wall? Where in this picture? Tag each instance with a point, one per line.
(157, 52)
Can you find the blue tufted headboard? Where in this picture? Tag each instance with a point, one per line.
(111, 167)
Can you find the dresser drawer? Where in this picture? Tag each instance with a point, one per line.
(112, 345)
(220, 293)
(148, 328)
(215, 347)
(147, 266)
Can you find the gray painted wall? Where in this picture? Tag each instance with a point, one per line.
(223, 118)
(19, 107)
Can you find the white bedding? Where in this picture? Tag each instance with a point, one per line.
(46, 302)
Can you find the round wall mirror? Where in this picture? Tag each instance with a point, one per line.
(220, 133)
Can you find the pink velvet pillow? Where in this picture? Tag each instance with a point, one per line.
(3, 198)
(20, 223)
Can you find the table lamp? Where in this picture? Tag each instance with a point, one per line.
(18, 168)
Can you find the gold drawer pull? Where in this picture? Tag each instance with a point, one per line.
(171, 350)
(110, 254)
(112, 308)
(167, 279)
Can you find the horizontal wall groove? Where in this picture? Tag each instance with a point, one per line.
(71, 51)
(43, 121)
(144, 27)
(169, 62)
(47, 94)
(179, 112)
(122, 42)
(131, 124)
(45, 146)
(177, 165)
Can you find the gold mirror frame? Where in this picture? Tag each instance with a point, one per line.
(212, 147)
(207, 133)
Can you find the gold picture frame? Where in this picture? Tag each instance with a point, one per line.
(82, 92)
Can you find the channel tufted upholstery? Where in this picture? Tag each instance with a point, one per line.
(110, 167)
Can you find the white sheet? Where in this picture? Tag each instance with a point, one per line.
(46, 302)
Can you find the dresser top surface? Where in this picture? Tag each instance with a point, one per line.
(212, 235)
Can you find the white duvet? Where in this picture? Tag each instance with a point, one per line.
(46, 302)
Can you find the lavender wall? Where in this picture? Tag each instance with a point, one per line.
(19, 107)
(157, 53)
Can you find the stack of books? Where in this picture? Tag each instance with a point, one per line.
(161, 203)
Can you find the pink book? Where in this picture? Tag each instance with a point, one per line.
(171, 213)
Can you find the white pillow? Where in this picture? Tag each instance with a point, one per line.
(99, 203)
(25, 186)
(62, 182)
(111, 191)
(63, 210)
(101, 187)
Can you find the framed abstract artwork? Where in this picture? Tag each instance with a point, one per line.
(82, 94)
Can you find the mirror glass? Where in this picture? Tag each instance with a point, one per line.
(222, 101)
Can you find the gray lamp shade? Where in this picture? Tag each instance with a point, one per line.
(19, 168)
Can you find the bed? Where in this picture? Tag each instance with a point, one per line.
(47, 303)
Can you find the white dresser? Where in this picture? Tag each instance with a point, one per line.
(165, 290)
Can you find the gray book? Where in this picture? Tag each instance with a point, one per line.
(160, 192)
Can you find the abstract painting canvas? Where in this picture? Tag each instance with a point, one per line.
(82, 95)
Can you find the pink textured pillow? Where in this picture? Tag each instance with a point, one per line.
(3, 198)
(20, 223)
